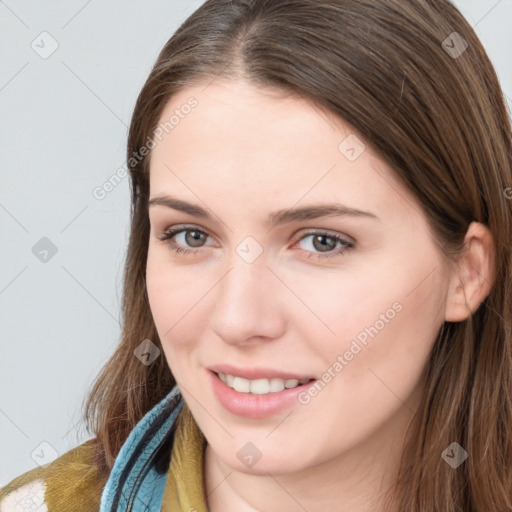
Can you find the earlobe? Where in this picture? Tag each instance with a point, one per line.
(474, 276)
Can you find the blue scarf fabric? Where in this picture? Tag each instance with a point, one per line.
(143, 487)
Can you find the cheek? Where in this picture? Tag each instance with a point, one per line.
(373, 364)
(385, 318)
(169, 287)
(161, 292)
(177, 302)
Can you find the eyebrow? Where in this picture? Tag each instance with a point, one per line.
(275, 218)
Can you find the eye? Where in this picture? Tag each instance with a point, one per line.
(321, 241)
(197, 236)
(326, 242)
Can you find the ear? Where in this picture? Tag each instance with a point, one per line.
(472, 280)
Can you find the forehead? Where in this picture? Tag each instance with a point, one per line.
(266, 146)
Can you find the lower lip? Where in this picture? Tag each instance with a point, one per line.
(253, 406)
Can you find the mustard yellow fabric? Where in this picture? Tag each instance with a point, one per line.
(71, 483)
(184, 487)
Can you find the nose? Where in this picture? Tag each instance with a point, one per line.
(249, 304)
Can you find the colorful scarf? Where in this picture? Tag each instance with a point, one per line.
(144, 486)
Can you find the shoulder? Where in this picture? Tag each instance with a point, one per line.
(71, 482)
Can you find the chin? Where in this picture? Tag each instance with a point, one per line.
(262, 468)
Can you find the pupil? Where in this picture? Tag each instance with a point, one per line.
(323, 238)
(195, 235)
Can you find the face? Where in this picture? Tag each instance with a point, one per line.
(347, 304)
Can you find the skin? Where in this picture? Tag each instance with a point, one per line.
(243, 153)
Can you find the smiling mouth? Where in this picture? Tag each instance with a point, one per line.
(260, 386)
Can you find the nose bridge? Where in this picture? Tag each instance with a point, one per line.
(248, 267)
(246, 299)
(242, 288)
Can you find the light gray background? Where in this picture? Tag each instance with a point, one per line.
(63, 128)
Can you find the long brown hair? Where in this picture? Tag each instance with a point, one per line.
(412, 77)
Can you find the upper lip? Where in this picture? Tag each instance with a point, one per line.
(254, 373)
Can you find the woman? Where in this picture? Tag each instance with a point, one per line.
(317, 290)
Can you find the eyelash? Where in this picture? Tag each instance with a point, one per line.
(170, 234)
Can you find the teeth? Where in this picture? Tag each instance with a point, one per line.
(259, 386)
(241, 385)
(276, 385)
(291, 383)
